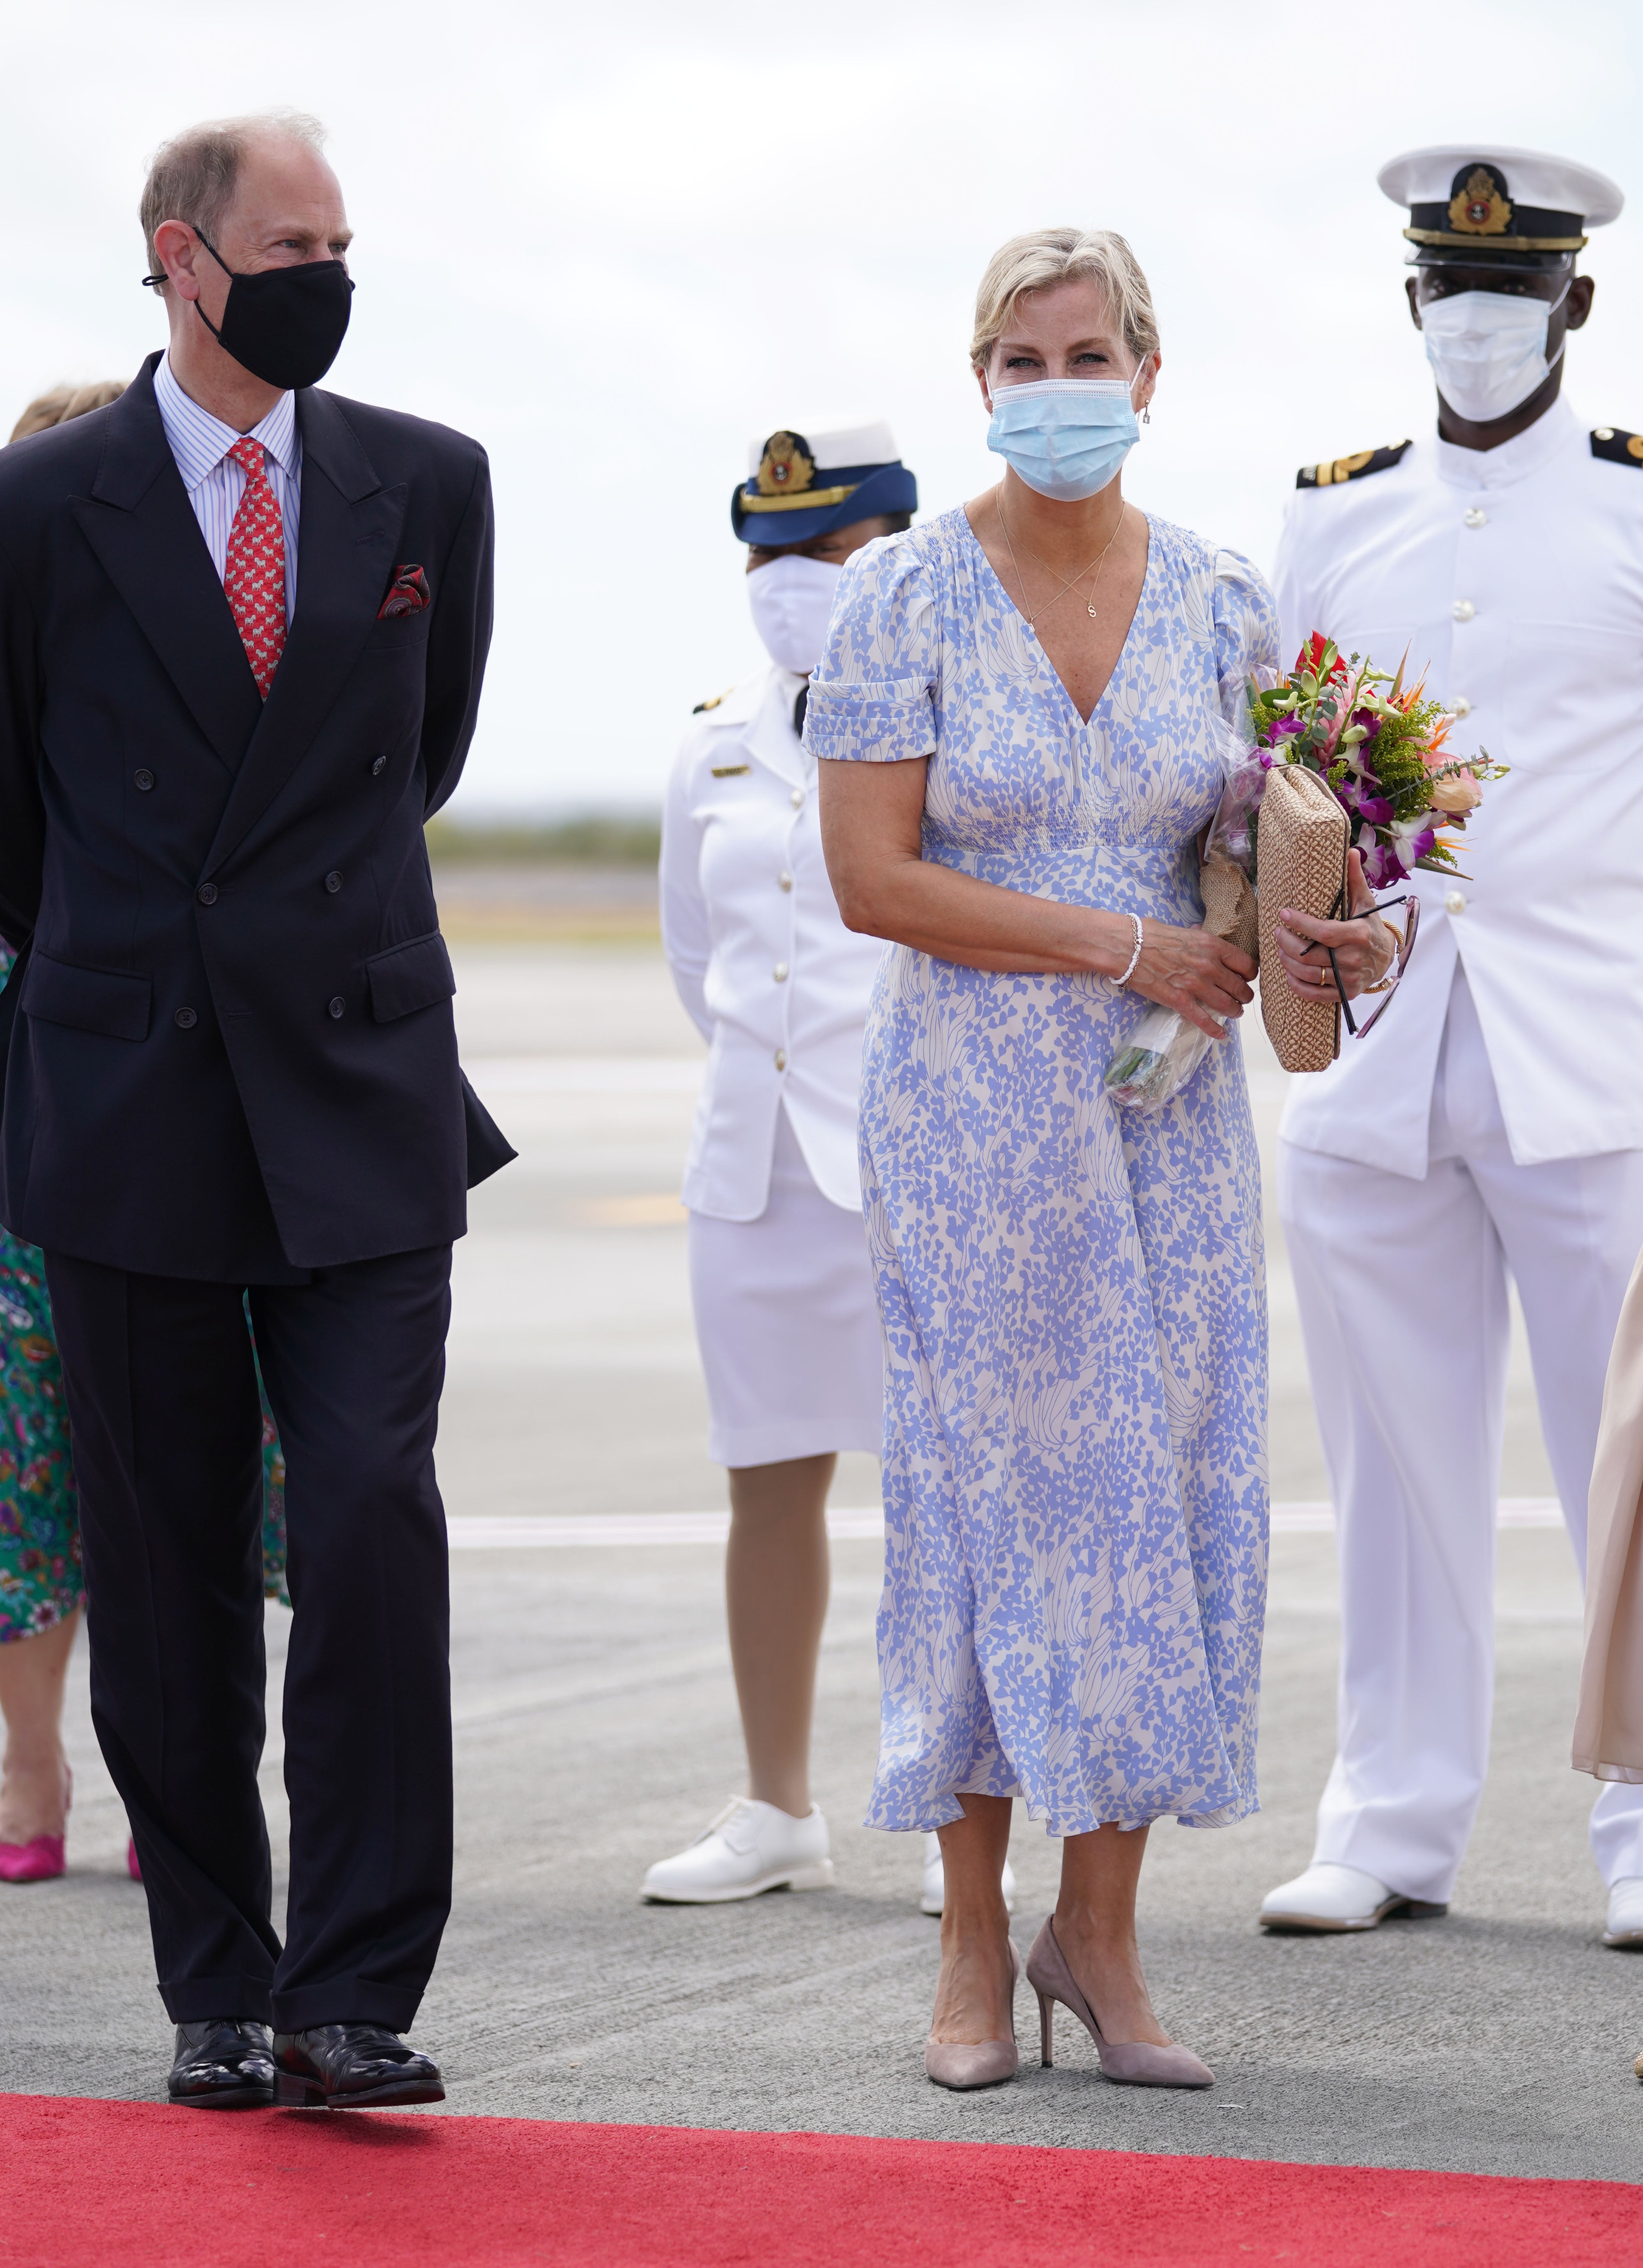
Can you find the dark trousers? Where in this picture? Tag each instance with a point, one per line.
(167, 1432)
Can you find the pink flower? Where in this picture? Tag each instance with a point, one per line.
(1458, 796)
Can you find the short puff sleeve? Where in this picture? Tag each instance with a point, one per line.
(870, 698)
(1246, 629)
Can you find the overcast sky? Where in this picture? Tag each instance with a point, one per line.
(614, 243)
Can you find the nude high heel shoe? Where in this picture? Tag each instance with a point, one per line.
(987, 2063)
(1130, 2062)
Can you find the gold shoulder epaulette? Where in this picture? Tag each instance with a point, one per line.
(1619, 447)
(1350, 468)
(713, 703)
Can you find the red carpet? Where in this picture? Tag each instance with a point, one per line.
(122, 2185)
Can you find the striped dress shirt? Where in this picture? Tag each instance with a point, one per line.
(200, 442)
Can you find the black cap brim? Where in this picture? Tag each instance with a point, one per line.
(873, 489)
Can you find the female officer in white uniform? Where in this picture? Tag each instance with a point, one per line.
(784, 1309)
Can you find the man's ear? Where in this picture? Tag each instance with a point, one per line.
(175, 245)
(1580, 302)
(1414, 310)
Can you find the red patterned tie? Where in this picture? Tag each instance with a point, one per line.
(254, 577)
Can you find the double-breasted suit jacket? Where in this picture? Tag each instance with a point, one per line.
(231, 1052)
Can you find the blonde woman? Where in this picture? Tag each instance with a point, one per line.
(1016, 721)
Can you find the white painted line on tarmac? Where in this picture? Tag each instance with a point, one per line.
(586, 1074)
(846, 1524)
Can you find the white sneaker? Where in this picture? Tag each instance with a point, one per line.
(1332, 1898)
(933, 1894)
(1625, 1925)
(749, 1849)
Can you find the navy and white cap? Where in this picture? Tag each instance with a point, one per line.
(1492, 206)
(802, 485)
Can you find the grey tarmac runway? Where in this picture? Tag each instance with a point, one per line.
(596, 1730)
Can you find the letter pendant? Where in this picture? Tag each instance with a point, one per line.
(1090, 609)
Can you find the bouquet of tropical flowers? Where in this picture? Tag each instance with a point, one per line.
(1382, 755)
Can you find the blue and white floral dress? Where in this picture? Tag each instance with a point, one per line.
(1073, 1297)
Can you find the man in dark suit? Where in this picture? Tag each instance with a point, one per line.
(242, 628)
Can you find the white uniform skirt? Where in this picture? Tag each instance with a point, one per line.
(787, 1323)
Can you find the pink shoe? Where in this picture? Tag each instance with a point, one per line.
(39, 1862)
(132, 1868)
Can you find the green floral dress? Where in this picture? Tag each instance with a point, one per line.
(40, 1579)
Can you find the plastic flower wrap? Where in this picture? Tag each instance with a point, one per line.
(1164, 1050)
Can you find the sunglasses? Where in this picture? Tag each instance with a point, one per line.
(1411, 923)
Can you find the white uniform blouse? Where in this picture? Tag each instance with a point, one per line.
(1515, 577)
(771, 977)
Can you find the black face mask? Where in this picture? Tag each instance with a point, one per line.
(284, 325)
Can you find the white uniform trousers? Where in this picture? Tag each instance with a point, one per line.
(787, 1323)
(1402, 1287)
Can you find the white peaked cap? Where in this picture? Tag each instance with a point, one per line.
(1426, 177)
(841, 445)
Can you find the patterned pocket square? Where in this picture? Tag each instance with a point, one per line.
(409, 594)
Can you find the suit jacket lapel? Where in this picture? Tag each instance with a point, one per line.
(345, 556)
(139, 522)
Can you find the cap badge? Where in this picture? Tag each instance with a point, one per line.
(1480, 206)
(787, 466)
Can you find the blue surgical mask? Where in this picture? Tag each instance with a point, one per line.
(1065, 436)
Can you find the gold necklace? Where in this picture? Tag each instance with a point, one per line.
(1097, 564)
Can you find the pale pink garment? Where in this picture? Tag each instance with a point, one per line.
(1609, 1716)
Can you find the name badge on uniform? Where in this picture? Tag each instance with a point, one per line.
(729, 771)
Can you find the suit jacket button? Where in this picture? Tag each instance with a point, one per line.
(337, 1007)
(379, 766)
(185, 1020)
(207, 893)
(334, 881)
(142, 780)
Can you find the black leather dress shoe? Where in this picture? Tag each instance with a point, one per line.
(351, 2067)
(222, 2065)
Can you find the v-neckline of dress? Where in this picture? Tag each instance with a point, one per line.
(1037, 644)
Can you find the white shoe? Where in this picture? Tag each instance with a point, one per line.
(934, 1893)
(749, 1849)
(1625, 1925)
(1331, 1897)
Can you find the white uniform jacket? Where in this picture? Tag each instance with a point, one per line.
(1515, 577)
(771, 975)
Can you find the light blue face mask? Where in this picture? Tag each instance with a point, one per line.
(1065, 436)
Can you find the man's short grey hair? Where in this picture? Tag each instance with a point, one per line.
(192, 177)
(1049, 256)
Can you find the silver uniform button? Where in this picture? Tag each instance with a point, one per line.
(781, 1058)
(787, 882)
(1476, 518)
(1462, 610)
(1463, 706)
(780, 972)
(1455, 902)
(1603, 433)
(797, 798)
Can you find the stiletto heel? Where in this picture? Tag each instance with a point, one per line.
(1132, 2063)
(1046, 2030)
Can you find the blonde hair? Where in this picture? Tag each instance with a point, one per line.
(1047, 256)
(63, 402)
(192, 177)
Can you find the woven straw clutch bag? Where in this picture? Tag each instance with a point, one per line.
(1300, 849)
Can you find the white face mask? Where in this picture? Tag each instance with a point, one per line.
(1488, 350)
(792, 601)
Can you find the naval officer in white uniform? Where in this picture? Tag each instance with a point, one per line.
(1494, 1127)
(786, 1319)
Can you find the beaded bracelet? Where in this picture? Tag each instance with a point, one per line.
(1122, 981)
